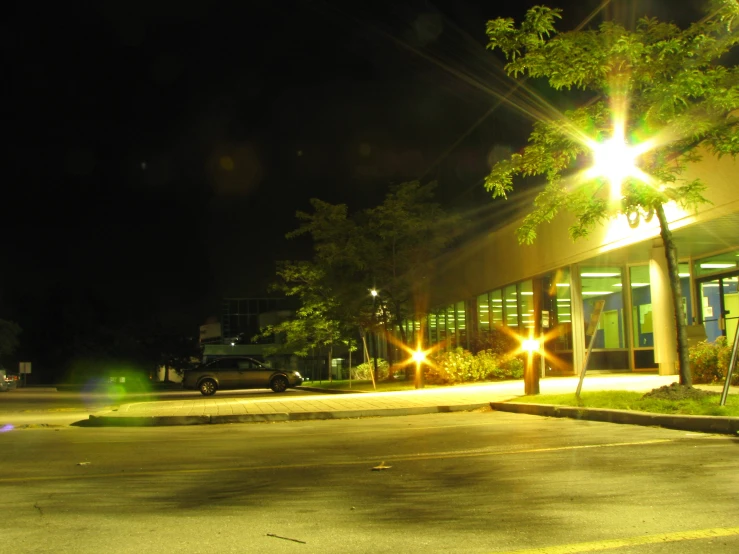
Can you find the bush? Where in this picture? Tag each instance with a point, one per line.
(449, 367)
(461, 366)
(710, 360)
(495, 340)
(363, 372)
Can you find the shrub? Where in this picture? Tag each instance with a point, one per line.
(710, 360)
(495, 340)
(449, 367)
(461, 366)
(363, 372)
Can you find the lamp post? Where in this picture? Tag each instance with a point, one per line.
(374, 294)
(419, 356)
(531, 372)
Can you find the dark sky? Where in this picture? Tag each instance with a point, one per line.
(158, 151)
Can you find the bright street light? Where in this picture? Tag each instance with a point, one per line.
(419, 356)
(616, 160)
(530, 345)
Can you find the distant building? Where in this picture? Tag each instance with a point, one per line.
(242, 319)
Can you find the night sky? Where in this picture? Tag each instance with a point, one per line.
(157, 151)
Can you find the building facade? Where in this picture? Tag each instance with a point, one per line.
(493, 282)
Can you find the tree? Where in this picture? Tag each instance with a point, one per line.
(9, 332)
(315, 324)
(658, 94)
(390, 247)
(404, 236)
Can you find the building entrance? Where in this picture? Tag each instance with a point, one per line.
(720, 306)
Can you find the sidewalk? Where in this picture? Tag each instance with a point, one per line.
(215, 410)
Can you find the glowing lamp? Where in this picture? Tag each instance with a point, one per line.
(419, 356)
(616, 160)
(530, 345)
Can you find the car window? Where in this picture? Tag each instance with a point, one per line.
(248, 363)
(226, 363)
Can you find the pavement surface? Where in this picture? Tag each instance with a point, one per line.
(325, 405)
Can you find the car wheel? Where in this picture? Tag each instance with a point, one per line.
(279, 384)
(207, 387)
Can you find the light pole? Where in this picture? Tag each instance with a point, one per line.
(531, 372)
(419, 356)
(374, 294)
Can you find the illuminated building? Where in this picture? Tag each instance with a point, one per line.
(493, 281)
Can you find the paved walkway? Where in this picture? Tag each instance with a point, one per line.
(209, 410)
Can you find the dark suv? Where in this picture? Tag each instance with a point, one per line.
(238, 373)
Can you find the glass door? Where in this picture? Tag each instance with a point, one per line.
(720, 307)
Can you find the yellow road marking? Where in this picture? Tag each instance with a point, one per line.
(489, 452)
(398, 457)
(596, 546)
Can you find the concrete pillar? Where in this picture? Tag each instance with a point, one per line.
(578, 320)
(663, 316)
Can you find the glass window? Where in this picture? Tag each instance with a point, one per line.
(721, 263)
(641, 307)
(562, 309)
(461, 324)
(720, 307)
(684, 270)
(226, 363)
(526, 303)
(510, 295)
(483, 313)
(441, 325)
(451, 326)
(731, 306)
(496, 307)
(711, 308)
(248, 364)
(233, 325)
(433, 338)
(604, 283)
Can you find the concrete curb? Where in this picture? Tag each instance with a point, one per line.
(34, 388)
(330, 391)
(143, 421)
(701, 424)
(161, 421)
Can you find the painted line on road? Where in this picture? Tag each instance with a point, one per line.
(395, 457)
(489, 451)
(610, 544)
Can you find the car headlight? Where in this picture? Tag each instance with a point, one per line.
(297, 375)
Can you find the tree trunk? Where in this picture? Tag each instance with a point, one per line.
(330, 358)
(673, 269)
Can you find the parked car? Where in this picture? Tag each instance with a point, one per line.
(8, 382)
(238, 373)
